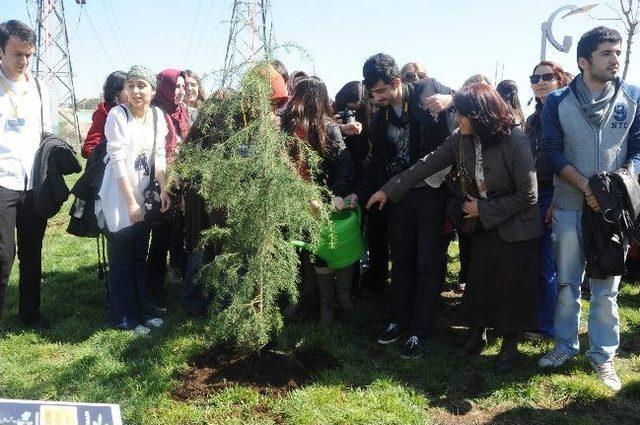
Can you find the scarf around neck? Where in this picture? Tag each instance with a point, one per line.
(595, 109)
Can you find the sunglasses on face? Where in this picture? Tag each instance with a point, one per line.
(535, 79)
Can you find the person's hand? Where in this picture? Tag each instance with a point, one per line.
(548, 217)
(351, 201)
(592, 201)
(438, 103)
(315, 206)
(165, 201)
(338, 203)
(351, 129)
(380, 198)
(136, 212)
(470, 207)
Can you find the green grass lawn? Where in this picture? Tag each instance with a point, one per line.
(80, 359)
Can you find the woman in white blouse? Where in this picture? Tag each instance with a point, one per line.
(132, 130)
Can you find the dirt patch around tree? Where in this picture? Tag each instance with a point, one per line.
(269, 372)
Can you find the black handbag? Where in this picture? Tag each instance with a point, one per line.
(152, 203)
(463, 186)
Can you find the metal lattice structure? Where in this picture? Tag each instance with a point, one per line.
(250, 36)
(53, 59)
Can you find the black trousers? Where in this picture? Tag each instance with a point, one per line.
(415, 234)
(375, 279)
(18, 216)
(130, 303)
(159, 248)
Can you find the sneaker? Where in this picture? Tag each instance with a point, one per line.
(389, 336)
(156, 322)
(607, 374)
(141, 330)
(554, 358)
(412, 348)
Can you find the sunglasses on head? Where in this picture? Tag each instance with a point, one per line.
(545, 77)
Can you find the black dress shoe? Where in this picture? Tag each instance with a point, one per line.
(507, 355)
(475, 343)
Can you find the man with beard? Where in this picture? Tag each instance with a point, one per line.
(409, 124)
(593, 125)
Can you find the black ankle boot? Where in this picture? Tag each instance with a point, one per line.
(508, 353)
(476, 342)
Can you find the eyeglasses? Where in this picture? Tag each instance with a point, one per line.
(535, 79)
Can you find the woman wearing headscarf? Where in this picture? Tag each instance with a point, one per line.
(135, 133)
(168, 234)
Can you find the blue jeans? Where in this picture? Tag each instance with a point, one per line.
(547, 276)
(604, 322)
(130, 302)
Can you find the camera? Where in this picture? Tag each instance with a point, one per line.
(347, 116)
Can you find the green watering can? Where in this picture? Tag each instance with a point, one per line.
(348, 245)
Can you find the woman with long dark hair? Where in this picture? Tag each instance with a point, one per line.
(494, 158)
(546, 77)
(307, 116)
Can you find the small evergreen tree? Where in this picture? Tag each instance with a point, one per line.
(241, 161)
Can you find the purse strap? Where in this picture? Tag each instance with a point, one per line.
(152, 168)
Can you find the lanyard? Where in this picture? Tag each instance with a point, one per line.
(11, 94)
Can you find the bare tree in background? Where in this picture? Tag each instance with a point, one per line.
(627, 11)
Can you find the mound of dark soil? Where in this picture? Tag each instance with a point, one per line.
(268, 372)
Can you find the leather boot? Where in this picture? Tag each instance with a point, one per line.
(476, 342)
(508, 353)
(344, 281)
(327, 290)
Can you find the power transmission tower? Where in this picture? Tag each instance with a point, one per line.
(53, 60)
(250, 36)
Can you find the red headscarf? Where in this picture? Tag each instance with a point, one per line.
(175, 114)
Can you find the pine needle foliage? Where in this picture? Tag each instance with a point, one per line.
(241, 161)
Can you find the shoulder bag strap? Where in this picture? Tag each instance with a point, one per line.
(152, 168)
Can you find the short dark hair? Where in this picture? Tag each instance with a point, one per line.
(591, 39)
(380, 67)
(16, 29)
(113, 86)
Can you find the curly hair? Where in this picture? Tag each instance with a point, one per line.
(379, 67)
(113, 86)
(490, 116)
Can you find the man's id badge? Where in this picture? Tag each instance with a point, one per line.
(15, 124)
